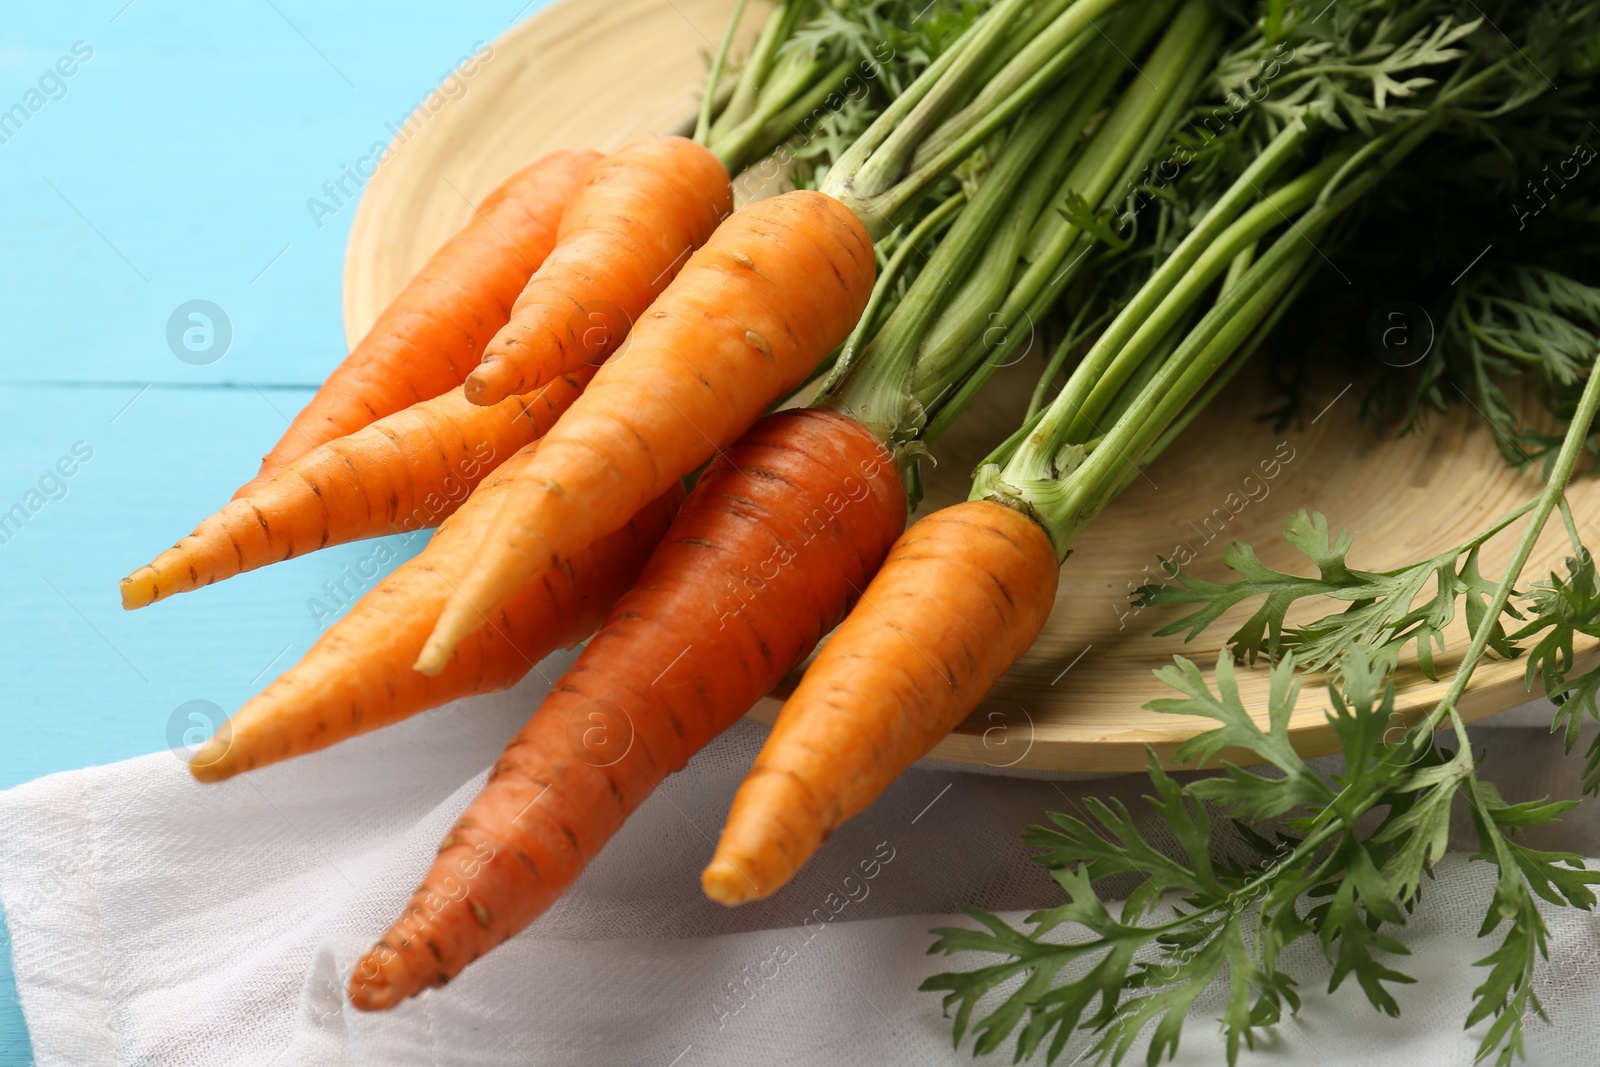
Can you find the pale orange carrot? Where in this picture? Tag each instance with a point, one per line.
(405, 472)
(775, 289)
(632, 224)
(962, 595)
(433, 333)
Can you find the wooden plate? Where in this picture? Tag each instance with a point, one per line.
(588, 72)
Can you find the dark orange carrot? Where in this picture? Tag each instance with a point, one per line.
(358, 675)
(430, 337)
(963, 593)
(631, 225)
(776, 288)
(747, 580)
(405, 472)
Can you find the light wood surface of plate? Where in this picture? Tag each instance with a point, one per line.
(601, 74)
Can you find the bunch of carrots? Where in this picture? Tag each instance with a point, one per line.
(614, 335)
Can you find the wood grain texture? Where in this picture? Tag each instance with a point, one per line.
(588, 72)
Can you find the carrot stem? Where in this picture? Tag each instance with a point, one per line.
(1133, 333)
(773, 127)
(1065, 503)
(934, 339)
(875, 390)
(756, 73)
(702, 127)
(1077, 330)
(1059, 247)
(889, 277)
(875, 164)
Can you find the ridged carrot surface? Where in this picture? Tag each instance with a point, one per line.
(764, 557)
(630, 227)
(773, 291)
(407, 471)
(962, 595)
(358, 675)
(430, 337)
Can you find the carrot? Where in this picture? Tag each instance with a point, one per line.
(433, 333)
(405, 472)
(631, 225)
(747, 580)
(963, 593)
(358, 675)
(776, 288)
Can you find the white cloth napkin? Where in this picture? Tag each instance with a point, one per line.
(155, 921)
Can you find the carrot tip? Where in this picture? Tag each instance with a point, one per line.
(392, 980)
(724, 883)
(211, 764)
(431, 660)
(480, 388)
(137, 591)
(458, 620)
(377, 995)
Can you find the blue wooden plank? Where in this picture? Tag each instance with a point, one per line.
(173, 164)
(177, 163)
(106, 679)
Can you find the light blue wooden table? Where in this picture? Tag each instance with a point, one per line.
(174, 163)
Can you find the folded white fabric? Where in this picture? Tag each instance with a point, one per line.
(156, 921)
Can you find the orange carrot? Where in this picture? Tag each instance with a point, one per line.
(405, 472)
(358, 675)
(776, 288)
(747, 580)
(629, 228)
(431, 336)
(963, 593)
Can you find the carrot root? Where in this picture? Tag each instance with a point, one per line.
(633, 222)
(406, 472)
(962, 595)
(433, 333)
(750, 316)
(763, 558)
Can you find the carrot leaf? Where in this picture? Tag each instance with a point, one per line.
(1218, 918)
(1343, 863)
(1384, 615)
(1560, 609)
